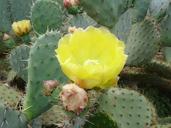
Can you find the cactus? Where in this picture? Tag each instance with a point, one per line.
(163, 126)
(142, 6)
(127, 108)
(143, 43)
(158, 8)
(82, 20)
(100, 120)
(20, 12)
(166, 28)
(141, 24)
(7, 45)
(9, 96)
(167, 54)
(42, 66)
(19, 60)
(124, 24)
(159, 67)
(5, 16)
(105, 12)
(165, 120)
(11, 10)
(11, 119)
(56, 116)
(49, 13)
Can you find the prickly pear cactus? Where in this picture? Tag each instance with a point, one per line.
(82, 20)
(105, 12)
(141, 6)
(13, 10)
(42, 66)
(127, 108)
(5, 16)
(56, 115)
(124, 24)
(19, 60)
(100, 120)
(20, 9)
(142, 43)
(167, 54)
(158, 8)
(9, 96)
(46, 15)
(161, 68)
(162, 126)
(166, 28)
(11, 119)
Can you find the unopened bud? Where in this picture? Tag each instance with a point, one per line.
(50, 86)
(74, 98)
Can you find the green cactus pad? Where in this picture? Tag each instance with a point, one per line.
(127, 108)
(20, 9)
(56, 116)
(100, 120)
(143, 43)
(46, 15)
(167, 54)
(13, 10)
(9, 96)
(162, 126)
(124, 24)
(11, 119)
(142, 6)
(166, 28)
(105, 12)
(158, 8)
(7, 45)
(5, 16)
(160, 67)
(165, 120)
(19, 60)
(42, 66)
(82, 20)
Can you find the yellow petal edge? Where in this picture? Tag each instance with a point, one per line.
(91, 58)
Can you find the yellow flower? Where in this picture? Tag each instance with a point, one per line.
(21, 27)
(93, 57)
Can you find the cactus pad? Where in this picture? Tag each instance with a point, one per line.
(19, 60)
(127, 108)
(20, 9)
(42, 66)
(166, 28)
(158, 8)
(82, 20)
(143, 43)
(11, 119)
(9, 96)
(100, 120)
(167, 54)
(5, 16)
(105, 12)
(124, 24)
(46, 15)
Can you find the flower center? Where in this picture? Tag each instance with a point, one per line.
(91, 62)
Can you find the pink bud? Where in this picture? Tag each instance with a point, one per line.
(49, 86)
(74, 98)
(70, 3)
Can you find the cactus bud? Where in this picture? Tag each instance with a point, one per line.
(6, 37)
(74, 98)
(70, 3)
(21, 27)
(72, 29)
(49, 86)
